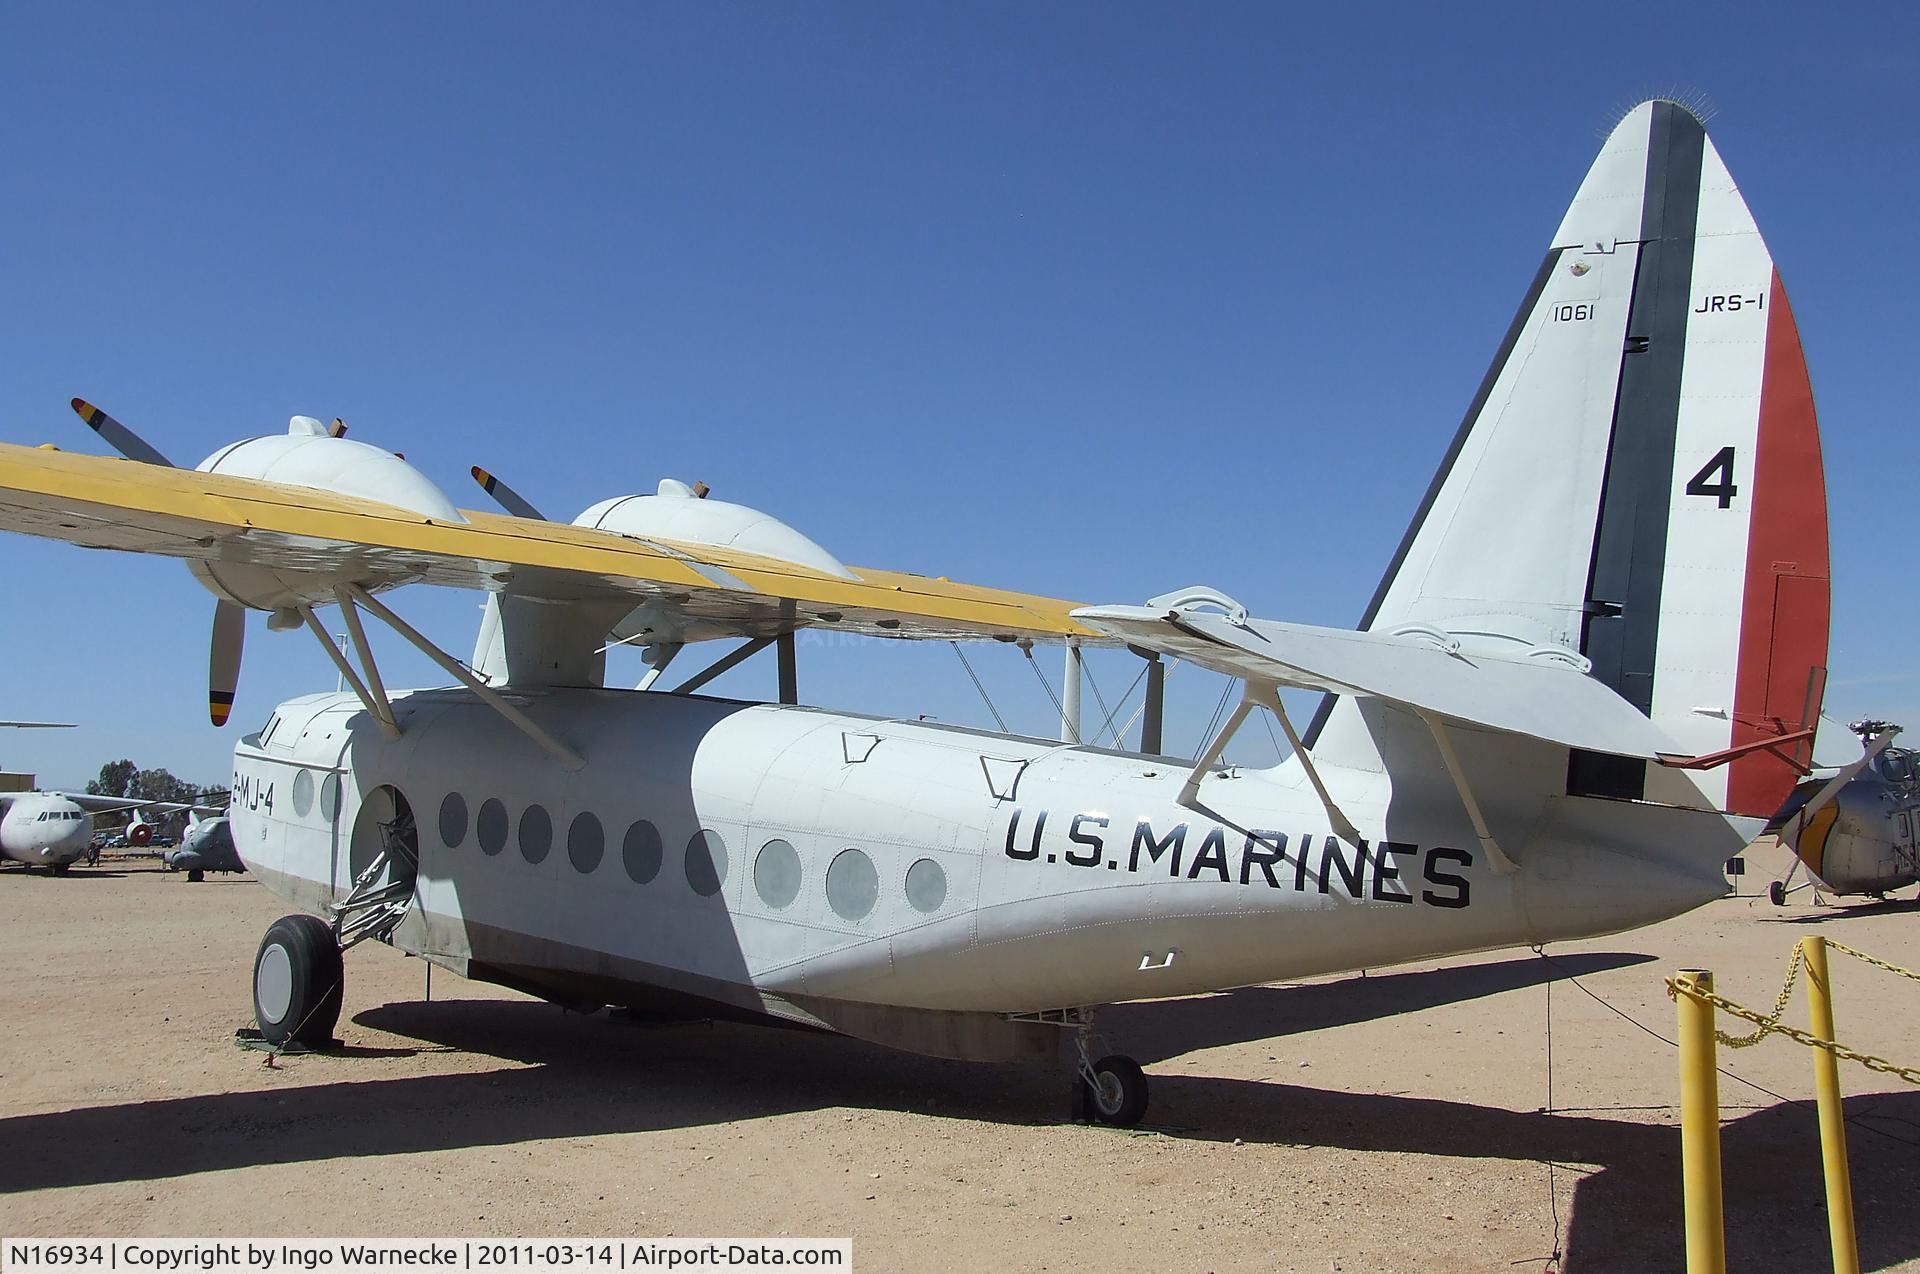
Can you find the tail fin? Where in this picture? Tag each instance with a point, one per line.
(1639, 480)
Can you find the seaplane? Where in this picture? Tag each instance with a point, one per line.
(1583, 683)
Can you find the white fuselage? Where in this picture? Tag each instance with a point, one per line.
(44, 831)
(708, 846)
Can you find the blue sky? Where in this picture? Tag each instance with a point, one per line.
(1090, 300)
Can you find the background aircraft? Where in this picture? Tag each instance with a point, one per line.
(55, 829)
(207, 845)
(1854, 829)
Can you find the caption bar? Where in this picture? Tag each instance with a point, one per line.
(497, 1256)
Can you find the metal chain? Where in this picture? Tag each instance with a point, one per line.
(1794, 1033)
(1875, 961)
(1779, 1008)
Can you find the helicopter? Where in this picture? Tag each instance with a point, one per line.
(1854, 829)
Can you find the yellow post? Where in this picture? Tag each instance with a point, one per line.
(1700, 1127)
(1833, 1127)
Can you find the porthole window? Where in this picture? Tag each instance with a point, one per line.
(776, 874)
(536, 834)
(706, 863)
(491, 826)
(853, 886)
(586, 843)
(926, 886)
(330, 797)
(453, 820)
(641, 851)
(303, 793)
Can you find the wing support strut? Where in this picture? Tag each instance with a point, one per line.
(519, 720)
(379, 709)
(1266, 695)
(732, 659)
(658, 656)
(1502, 865)
(1336, 817)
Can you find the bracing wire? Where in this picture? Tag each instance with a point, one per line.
(1219, 711)
(984, 696)
(1107, 725)
(1058, 711)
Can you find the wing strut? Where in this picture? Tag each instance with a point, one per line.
(379, 709)
(657, 657)
(1266, 695)
(732, 659)
(519, 720)
(784, 651)
(1502, 865)
(1151, 727)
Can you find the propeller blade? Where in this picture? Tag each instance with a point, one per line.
(118, 436)
(510, 500)
(223, 658)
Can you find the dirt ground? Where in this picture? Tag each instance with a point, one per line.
(1397, 1121)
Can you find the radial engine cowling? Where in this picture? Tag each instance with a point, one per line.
(139, 833)
(307, 455)
(676, 514)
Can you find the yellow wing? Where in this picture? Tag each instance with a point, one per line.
(98, 502)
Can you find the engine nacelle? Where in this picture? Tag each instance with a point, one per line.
(139, 833)
(307, 455)
(675, 513)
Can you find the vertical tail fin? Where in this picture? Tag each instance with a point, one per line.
(1639, 480)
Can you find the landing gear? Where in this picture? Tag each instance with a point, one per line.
(1116, 1090)
(195, 876)
(61, 869)
(297, 981)
(1777, 893)
(1113, 1089)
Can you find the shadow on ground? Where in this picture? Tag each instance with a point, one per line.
(1842, 909)
(581, 1076)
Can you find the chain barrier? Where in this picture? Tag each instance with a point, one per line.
(1773, 1026)
(1771, 1023)
(1875, 961)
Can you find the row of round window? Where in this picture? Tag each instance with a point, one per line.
(853, 883)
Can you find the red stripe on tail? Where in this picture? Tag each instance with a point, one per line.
(1783, 620)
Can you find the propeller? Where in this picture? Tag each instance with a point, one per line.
(118, 436)
(510, 500)
(223, 658)
(229, 619)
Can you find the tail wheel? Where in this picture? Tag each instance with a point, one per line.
(297, 982)
(1117, 1091)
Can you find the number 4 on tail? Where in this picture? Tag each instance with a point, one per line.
(1703, 483)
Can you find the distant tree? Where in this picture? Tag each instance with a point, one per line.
(124, 778)
(116, 779)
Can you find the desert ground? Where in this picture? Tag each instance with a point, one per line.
(1407, 1119)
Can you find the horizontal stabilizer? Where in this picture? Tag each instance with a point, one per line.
(1542, 696)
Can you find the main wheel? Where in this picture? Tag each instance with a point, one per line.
(297, 980)
(1117, 1094)
(195, 876)
(61, 869)
(1777, 894)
